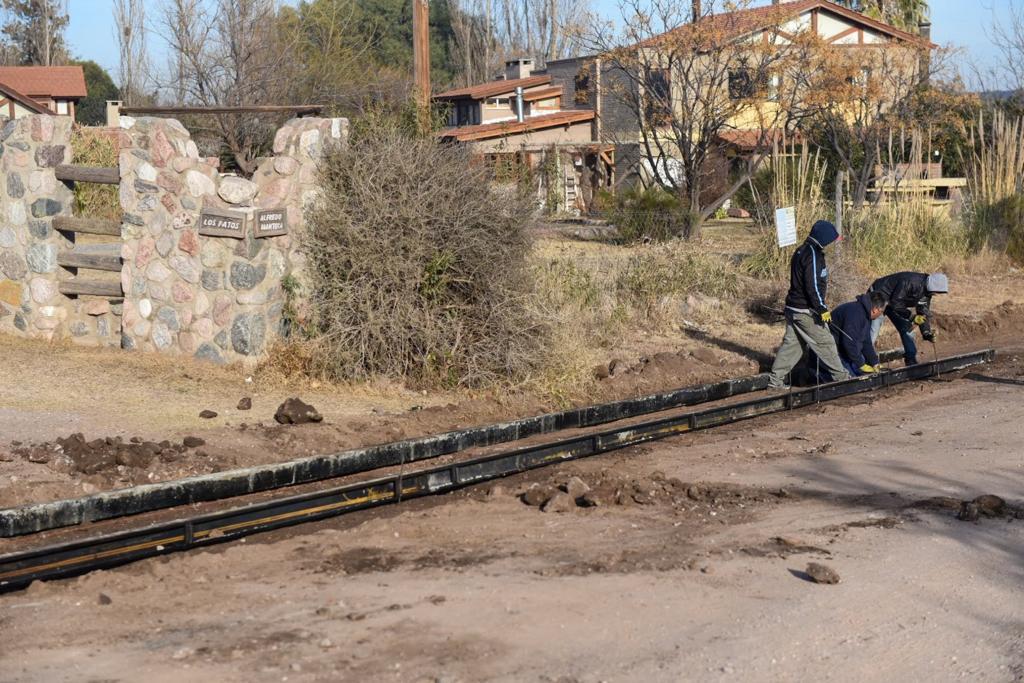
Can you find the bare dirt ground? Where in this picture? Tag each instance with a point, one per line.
(690, 568)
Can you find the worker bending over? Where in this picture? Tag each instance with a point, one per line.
(807, 316)
(905, 291)
(851, 329)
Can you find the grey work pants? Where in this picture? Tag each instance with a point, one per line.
(802, 330)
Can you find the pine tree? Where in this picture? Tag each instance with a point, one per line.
(34, 30)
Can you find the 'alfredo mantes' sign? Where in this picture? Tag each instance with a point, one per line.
(222, 223)
(271, 223)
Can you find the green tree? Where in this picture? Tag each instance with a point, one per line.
(35, 30)
(92, 109)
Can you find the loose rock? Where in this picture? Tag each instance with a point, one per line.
(207, 414)
(193, 442)
(245, 403)
(560, 502)
(295, 412)
(990, 506)
(820, 573)
(538, 494)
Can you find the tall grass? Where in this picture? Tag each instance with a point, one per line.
(995, 178)
(910, 234)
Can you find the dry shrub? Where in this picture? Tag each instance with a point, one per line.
(417, 267)
(91, 147)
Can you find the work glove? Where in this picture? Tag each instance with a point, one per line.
(868, 369)
(920, 320)
(826, 317)
(928, 336)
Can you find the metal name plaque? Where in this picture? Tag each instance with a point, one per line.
(222, 223)
(271, 223)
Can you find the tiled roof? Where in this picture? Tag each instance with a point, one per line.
(45, 81)
(499, 129)
(492, 88)
(728, 25)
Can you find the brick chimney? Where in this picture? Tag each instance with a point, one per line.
(520, 67)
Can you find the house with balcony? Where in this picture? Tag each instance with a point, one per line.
(520, 126)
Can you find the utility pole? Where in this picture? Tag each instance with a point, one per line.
(421, 58)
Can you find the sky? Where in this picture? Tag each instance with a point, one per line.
(964, 24)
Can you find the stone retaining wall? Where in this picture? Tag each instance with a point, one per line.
(217, 298)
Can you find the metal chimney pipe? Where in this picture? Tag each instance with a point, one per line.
(519, 104)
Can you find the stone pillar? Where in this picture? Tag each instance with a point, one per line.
(30, 304)
(217, 298)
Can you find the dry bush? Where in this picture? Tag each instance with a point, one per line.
(92, 147)
(418, 267)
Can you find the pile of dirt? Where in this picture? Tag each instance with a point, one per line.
(647, 374)
(612, 489)
(74, 454)
(1004, 318)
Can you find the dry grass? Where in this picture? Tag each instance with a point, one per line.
(94, 148)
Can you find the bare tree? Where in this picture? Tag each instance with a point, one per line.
(229, 53)
(130, 32)
(1007, 36)
(691, 87)
(487, 32)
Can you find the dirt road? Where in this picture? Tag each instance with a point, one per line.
(690, 568)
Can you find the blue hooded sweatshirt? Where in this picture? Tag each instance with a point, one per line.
(854, 342)
(808, 273)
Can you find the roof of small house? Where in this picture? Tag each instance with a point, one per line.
(492, 88)
(66, 82)
(499, 129)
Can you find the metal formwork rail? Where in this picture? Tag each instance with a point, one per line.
(36, 517)
(68, 559)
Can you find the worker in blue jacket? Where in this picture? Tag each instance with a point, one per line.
(807, 315)
(851, 328)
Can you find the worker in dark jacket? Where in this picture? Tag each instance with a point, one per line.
(907, 291)
(851, 328)
(807, 316)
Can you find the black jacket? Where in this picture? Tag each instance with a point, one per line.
(808, 273)
(854, 341)
(906, 291)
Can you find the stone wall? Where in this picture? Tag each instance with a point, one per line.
(30, 196)
(218, 298)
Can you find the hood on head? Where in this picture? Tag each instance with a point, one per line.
(937, 283)
(824, 233)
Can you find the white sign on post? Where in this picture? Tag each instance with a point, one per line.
(785, 226)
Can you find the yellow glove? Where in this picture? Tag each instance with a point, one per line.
(920, 320)
(867, 369)
(826, 317)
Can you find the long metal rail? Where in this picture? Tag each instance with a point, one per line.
(17, 570)
(36, 517)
